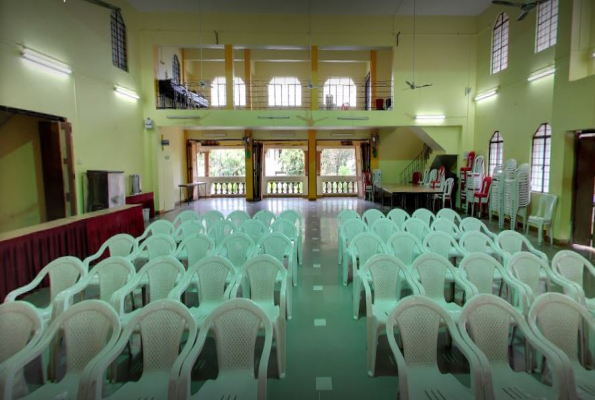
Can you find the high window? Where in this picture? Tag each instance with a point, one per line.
(540, 159)
(547, 25)
(495, 155)
(219, 92)
(119, 53)
(285, 92)
(175, 69)
(500, 44)
(339, 92)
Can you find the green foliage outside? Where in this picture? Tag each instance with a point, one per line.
(338, 162)
(227, 163)
(291, 162)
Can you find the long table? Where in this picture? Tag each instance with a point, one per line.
(189, 186)
(24, 252)
(396, 189)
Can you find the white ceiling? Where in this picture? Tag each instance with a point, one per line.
(323, 7)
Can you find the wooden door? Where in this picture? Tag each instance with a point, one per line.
(584, 190)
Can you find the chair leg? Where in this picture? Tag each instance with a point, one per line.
(356, 294)
(345, 270)
(550, 234)
(372, 344)
(539, 233)
(289, 300)
(280, 337)
(295, 265)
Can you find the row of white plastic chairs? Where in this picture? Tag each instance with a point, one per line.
(215, 278)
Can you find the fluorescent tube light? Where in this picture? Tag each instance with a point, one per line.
(215, 135)
(541, 74)
(342, 135)
(261, 117)
(183, 117)
(46, 61)
(430, 117)
(283, 134)
(353, 118)
(126, 92)
(486, 95)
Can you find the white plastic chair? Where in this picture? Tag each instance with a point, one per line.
(429, 272)
(159, 227)
(512, 242)
(296, 218)
(194, 248)
(289, 229)
(211, 217)
(20, 329)
(266, 217)
(449, 214)
(446, 194)
(89, 329)
(237, 248)
(398, 216)
(472, 224)
(162, 326)
(384, 228)
(425, 215)
(157, 245)
(238, 217)
(485, 327)
(477, 242)
(570, 266)
(121, 245)
(347, 231)
(446, 226)
(417, 228)
(405, 247)
(544, 217)
(254, 228)
(386, 273)
(261, 273)
(372, 215)
(64, 272)
(344, 216)
(188, 228)
(558, 321)
(235, 325)
(418, 319)
(443, 244)
(184, 216)
(220, 230)
(432, 176)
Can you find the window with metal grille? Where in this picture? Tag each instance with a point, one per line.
(119, 54)
(547, 25)
(339, 92)
(285, 92)
(500, 44)
(540, 159)
(219, 92)
(496, 151)
(175, 69)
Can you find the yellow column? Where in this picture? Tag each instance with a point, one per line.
(229, 75)
(248, 78)
(373, 76)
(249, 167)
(312, 177)
(184, 75)
(314, 77)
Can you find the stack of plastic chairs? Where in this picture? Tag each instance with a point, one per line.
(474, 180)
(496, 198)
(520, 195)
(463, 176)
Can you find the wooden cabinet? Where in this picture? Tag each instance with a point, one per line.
(105, 189)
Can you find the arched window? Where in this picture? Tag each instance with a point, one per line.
(339, 92)
(500, 44)
(219, 92)
(119, 53)
(175, 69)
(285, 92)
(547, 25)
(540, 159)
(496, 151)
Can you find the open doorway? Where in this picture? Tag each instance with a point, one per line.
(584, 190)
(36, 164)
(284, 172)
(340, 166)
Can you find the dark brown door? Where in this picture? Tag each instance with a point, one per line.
(584, 190)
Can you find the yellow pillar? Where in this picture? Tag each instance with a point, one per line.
(184, 74)
(249, 167)
(248, 78)
(373, 76)
(229, 75)
(314, 77)
(312, 176)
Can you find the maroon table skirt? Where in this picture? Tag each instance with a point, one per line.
(145, 199)
(22, 257)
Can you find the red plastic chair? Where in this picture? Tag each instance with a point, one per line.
(416, 178)
(463, 176)
(436, 184)
(368, 188)
(482, 197)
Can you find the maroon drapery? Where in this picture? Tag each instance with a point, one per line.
(22, 257)
(146, 199)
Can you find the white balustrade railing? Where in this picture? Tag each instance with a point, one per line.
(339, 185)
(286, 185)
(226, 186)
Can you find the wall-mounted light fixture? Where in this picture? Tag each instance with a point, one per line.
(353, 118)
(342, 135)
(542, 73)
(430, 117)
(183, 117)
(215, 135)
(272, 117)
(283, 134)
(487, 94)
(46, 61)
(126, 92)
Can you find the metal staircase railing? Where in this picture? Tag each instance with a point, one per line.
(418, 164)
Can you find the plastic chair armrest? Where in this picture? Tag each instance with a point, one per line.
(468, 289)
(65, 298)
(12, 296)
(477, 363)
(117, 299)
(482, 363)
(401, 366)
(236, 285)
(368, 292)
(416, 288)
(182, 384)
(282, 295)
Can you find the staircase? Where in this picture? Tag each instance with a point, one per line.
(418, 164)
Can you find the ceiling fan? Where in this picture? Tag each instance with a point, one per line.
(310, 121)
(411, 84)
(526, 8)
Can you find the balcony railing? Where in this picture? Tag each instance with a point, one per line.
(286, 185)
(226, 186)
(339, 185)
